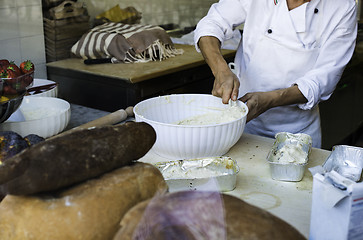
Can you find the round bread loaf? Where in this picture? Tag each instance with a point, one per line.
(193, 215)
(90, 210)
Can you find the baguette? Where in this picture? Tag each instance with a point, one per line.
(74, 157)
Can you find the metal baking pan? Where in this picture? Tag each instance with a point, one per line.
(345, 160)
(203, 174)
(289, 156)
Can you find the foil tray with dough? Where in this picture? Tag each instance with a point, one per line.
(202, 174)
(289, 156)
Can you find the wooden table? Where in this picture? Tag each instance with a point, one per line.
(291, 201)
(111, 87)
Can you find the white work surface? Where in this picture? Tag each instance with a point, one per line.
(291, 201)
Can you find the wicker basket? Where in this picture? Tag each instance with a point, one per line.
(61, 35)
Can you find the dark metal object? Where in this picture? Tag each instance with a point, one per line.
(97, 61)
(9, 107)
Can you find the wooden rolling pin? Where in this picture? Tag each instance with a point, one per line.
(109, 119)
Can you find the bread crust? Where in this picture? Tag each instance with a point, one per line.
(91, 210)
(75, 157)
(242, 220)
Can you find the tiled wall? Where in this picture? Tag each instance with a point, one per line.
(185, 13)
(21, 35)
(21, 23)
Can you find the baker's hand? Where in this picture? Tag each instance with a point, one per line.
(260, 102)
(226, 85)
(257, 103)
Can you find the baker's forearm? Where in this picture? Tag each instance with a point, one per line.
(287, 96)
(226, 84)
(211, 50)
(259, 102)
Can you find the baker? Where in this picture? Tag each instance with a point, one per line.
(291, 57)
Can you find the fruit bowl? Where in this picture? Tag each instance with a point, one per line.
(12, 87)
(12, 91)
(9, 107)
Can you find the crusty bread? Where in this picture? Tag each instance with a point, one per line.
(90, 210)
(68, 159)
(158, 218)
(181, 216)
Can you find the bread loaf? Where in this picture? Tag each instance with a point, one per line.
(91, 210)
(75, 157)
(194, 215)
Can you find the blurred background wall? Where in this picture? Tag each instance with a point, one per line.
(185, 13)
(22, 35)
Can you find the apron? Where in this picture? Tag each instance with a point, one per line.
(275, 65)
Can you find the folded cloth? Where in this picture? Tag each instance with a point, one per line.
(127, 15)
(126, 43)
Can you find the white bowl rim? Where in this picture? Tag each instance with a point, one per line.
(41, 81)
(188, 126)
(51, 116)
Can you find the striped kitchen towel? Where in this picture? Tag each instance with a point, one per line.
(126, 43)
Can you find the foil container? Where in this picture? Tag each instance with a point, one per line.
(345, 160)
(203, 174)
(289, 156)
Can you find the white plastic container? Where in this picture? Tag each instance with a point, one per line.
(189, 141)
(44, 116)
(46, 88)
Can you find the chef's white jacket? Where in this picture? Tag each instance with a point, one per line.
(321, 32)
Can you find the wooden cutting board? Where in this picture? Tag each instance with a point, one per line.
(137, 72)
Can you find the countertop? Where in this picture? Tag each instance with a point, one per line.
(138, 72)
(291, 201)
(81, 114)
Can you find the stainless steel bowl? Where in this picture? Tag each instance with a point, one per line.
(9, 107)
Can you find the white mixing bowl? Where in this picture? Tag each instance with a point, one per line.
(43, 88)
(189, 141)
(44, 116)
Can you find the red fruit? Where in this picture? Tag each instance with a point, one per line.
(4, 62)
(27, 67)
(3, 73)
(8, 90)
(11, 73)
(27, 80)
(8, 73)
(16, 69)
(10, 84)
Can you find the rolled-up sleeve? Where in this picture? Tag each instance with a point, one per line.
(222, 18)
(319, 83)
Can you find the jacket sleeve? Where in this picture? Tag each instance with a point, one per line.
(222, 19)
(319, 83)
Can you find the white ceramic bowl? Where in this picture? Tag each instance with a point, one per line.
(189, 141)
(42, 90)
(44, 116)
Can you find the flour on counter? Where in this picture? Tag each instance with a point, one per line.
(221, 115)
